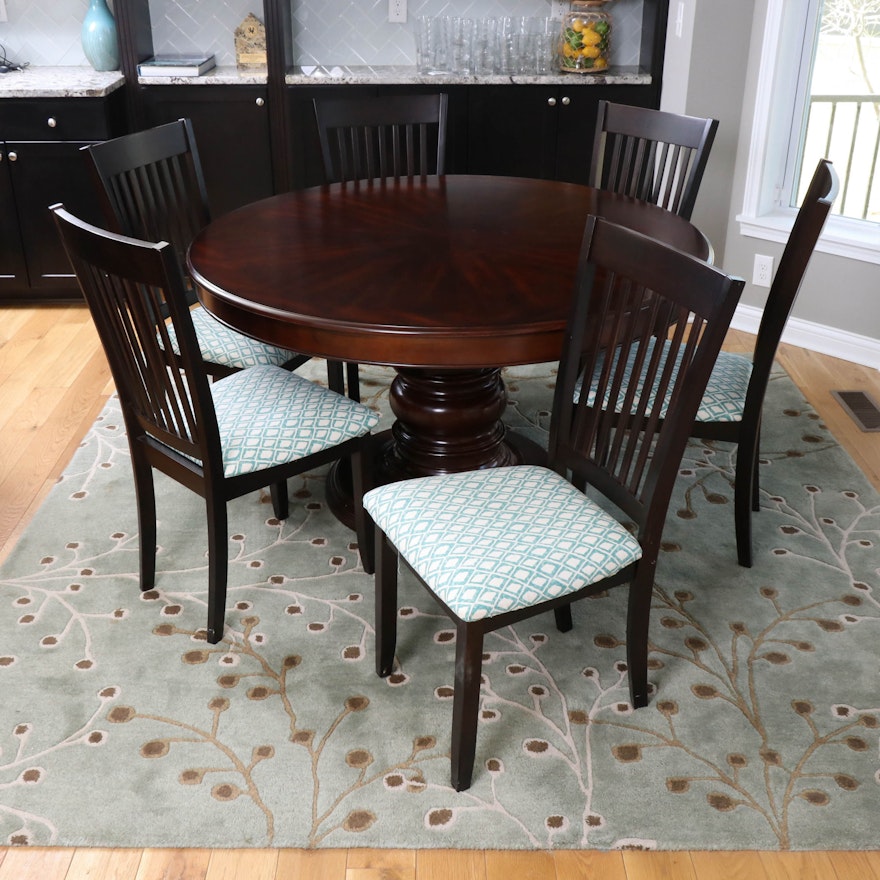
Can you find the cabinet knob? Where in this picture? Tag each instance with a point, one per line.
(13, 156)
(551, 102)
(566, 100)
(51, 122)
(260, 102)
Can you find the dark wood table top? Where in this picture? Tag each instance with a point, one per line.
(449, 272)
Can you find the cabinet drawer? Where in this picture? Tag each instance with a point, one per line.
(66, 119)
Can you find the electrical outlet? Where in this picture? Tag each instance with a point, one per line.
(397, 11)
(763, 274)
(3, 15)
(558, 8)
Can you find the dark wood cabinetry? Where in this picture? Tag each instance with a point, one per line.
(540, 131)
(42, 163)
(232, 130)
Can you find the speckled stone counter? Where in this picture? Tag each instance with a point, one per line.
(217, 76)
(59, 82)
(83, 82)
(342, 75)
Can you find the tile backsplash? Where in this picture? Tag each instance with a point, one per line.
(339, 32)
(44, 31)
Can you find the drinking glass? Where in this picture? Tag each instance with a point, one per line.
(485, 45)
(460, 55)
(432, 45)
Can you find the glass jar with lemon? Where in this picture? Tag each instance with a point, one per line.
(586, 37)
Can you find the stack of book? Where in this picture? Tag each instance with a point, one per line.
(176, 65)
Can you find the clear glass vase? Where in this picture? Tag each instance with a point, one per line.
(585, 42)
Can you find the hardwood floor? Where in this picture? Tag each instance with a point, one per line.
(54, 381)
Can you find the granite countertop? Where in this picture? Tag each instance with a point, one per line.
(83, 82)
(365, 75)
(216, 76)
(59, 82)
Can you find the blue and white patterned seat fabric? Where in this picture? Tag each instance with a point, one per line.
(268, 416)
(725, 394)
(220, 345)
(495, 540)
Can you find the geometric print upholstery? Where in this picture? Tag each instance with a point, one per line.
(228, 348)
(268, 416)
(725, 394)
(498, 539)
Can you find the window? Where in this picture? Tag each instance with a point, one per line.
(817, 97)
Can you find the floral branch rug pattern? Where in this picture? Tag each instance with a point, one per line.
(121, 726)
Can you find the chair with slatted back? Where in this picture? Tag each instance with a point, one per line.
(153, 188)
(389, 136)
(731, 408)
(499, 545)
(652, 155)
(383, 137)
(250, 429)
(734, 399)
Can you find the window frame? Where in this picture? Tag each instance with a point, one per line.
(789, 38)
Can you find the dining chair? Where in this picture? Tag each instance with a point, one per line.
(387, 137)
(652, 155)
(732, 403)
(153, 188)
(734, 399)
(222, 439)
(498, 545)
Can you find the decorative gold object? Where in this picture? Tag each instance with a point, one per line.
(250, 43)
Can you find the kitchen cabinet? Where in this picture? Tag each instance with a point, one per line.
(43, 163)
(539, 131)
(232, 129)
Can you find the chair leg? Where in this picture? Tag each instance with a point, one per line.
(746, 495)
(466, 702)
(756, 476)
(145, 495)
(280, 500)
(218, 564)
(363, 523)
(335, 380)
(353, 380)
(562, 613)
(386, 604)
(637, 621)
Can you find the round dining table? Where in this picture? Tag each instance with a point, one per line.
(447, 279)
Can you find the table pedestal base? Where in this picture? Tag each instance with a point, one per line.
(447, 422)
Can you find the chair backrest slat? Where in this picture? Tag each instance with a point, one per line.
(627, 431)
(153, 185)
(382, 137)
(126, 282)
(651, 155)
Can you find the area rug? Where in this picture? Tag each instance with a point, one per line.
(121, 726)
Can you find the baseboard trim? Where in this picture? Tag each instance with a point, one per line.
(816, 337)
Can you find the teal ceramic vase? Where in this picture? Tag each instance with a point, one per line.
(99, 41)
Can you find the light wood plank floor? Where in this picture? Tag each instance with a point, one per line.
(54, 381)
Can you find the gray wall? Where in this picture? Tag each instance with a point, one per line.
(719, 78)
